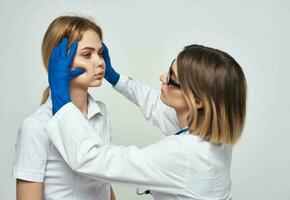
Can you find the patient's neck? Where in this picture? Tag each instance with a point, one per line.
(79, 97)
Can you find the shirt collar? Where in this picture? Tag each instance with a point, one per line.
(93, 106)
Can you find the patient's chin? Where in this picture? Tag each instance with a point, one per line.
(96, 83)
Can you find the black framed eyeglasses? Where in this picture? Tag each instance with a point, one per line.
(169, 80)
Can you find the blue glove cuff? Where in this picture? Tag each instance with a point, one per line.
(114, 78)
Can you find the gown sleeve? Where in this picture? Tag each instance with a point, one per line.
(162, 166)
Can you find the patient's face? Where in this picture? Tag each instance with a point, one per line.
(89, 56)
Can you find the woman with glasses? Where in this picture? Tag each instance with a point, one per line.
(201, 107)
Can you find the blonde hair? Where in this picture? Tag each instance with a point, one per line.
(71, 27)
(217, 80)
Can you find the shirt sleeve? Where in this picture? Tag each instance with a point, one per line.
(162, 166)
(32, 146)
(148, 100)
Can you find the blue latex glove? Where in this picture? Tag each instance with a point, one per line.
(110, 74)
(59, 74)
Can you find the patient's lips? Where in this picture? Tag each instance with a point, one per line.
(99, 75)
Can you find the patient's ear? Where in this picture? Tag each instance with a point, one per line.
(199, 103)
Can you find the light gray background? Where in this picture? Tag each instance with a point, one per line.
(144, 37)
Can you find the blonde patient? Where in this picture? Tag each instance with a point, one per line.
(39, 169)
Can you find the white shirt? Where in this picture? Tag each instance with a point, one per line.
(38, 160)
(177, 167)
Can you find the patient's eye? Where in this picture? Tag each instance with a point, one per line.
(87, 55)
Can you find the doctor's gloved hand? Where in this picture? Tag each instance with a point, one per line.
(59, 73)
(110, 75)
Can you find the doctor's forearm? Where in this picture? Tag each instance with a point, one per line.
(150, 104)
(85, 153)
(142, 95)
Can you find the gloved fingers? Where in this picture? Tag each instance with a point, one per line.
(106, 55)
(72, 50)
(54, 55)
(105, 51)
(76, 72)
(105, 48)
(63, 48)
